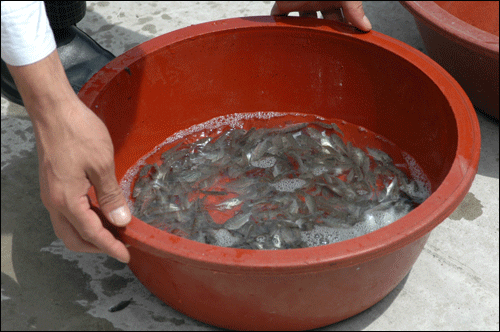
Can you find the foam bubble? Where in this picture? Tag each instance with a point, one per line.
(423, 183)
(321, 235)
(224, 238)
(289, 185)
(264, 162)
(317, 171)
(371, 221)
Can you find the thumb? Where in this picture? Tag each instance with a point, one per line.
(110, 198)
(354, 13)
(278, 8)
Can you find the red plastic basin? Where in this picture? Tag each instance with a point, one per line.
(301, 65)
(462, 36)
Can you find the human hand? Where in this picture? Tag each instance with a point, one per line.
(74, 152)
(343, 11)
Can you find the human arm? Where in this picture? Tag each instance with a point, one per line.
(74, 147)
(74, 151)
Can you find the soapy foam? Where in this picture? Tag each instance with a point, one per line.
(264, 162)
(321, 235)
(424, 185)
(224, 238)
(319, 170)
(289, 185)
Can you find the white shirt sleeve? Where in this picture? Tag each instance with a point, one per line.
(26, 33)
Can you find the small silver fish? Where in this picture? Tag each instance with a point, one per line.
(378, 155)
(392, 190)
(310, 203)
(190, 176)
(313, 133)
(338, 143)
(287, 180)
(229, 204)
(237, 221)
(276, 239)
(120, 306)
(145, 170)
(202, 142)
(337, 129)
(292, 128)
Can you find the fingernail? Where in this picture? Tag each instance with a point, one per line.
(367, 22)
(123, 261)
(120, 216)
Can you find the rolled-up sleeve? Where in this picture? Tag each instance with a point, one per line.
(26, 33)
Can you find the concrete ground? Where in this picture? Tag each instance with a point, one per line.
(452, 286)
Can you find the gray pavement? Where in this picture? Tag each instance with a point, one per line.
(452, 286)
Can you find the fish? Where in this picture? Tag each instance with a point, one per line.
(120, 306)
(229, 204)
(259, 151)
(237, 221)
(337, 129)
(310, 203)
(145, 170)
(337, 143)
(202, 142)
(290, 237)
(290, 128)
(277, 183)
(380, 156)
